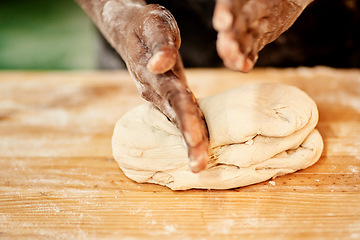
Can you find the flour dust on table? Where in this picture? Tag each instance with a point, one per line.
(257, 132)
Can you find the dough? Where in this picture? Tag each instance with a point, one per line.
(257, 132)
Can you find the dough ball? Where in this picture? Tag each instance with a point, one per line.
(257, 132)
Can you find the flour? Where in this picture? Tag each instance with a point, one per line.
(272, 183)
(169, 229)
(221, 226)
(354, 169)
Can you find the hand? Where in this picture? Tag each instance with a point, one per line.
(152, 57)
(246, 26)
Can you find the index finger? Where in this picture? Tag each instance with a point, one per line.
(180, 101)
(171, 95)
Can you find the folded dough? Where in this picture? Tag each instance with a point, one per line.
(257, 132)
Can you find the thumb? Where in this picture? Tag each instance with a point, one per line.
(159, 32)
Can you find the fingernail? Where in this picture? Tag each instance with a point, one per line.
(154, 61)
(249, 62)
(194, 166)
(160, 63)
(198, 163)
(248, 65)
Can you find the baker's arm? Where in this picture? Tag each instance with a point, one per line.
(246, 26)
(147, 38)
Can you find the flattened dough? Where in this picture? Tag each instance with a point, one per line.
(257, 132)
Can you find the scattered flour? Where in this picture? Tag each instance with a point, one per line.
(222, 226)
(169, 228)
(354, 169)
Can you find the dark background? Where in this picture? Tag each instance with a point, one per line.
(51, 35)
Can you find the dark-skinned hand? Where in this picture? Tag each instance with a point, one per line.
(148, 39)
(246, 26)
(152, 57)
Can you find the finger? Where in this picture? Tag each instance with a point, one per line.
(191, 123)
(198, 156)
(223, 17)
(198, 153)
(264, 35)
(248, 34)
(253, 11)
(238, 55)
(249, 64)
(159, 33)
(253, 43)
(171, 95)
(187, 117)
(169, 92)
(227, 46)
(247, 27)
(249, 50)
(230, 52)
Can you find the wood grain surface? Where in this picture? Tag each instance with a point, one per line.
(58, 179)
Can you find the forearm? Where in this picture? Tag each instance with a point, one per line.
(112, 18)
(304, 3)
(301, 4)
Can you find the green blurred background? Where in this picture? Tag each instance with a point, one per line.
(43, 34)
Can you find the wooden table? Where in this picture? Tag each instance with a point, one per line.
(58, 179)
